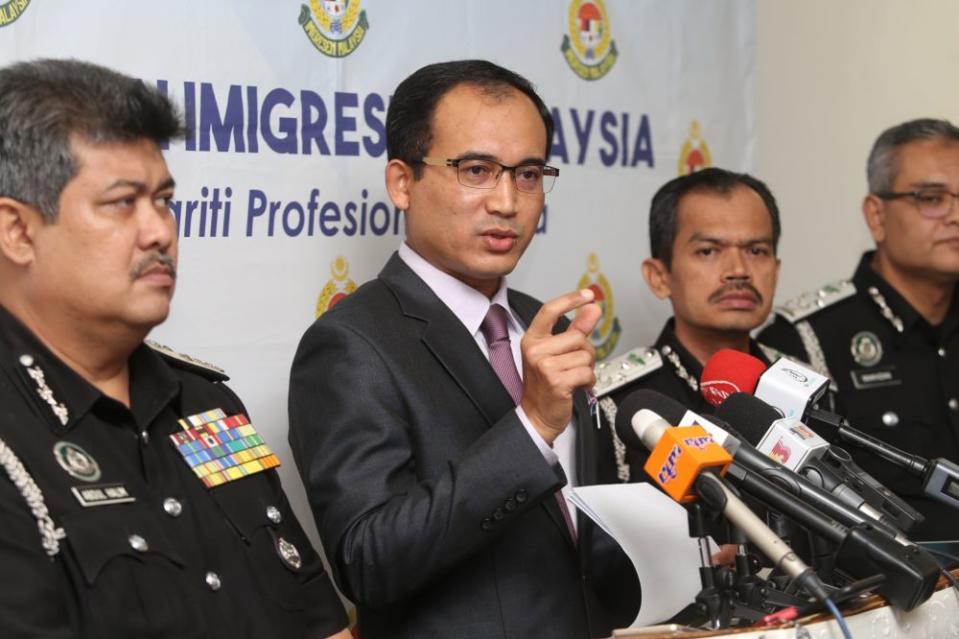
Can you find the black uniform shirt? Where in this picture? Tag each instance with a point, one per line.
(899, 386)
(180, 560)
(676, 377)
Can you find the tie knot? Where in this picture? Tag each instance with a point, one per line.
(494, 325)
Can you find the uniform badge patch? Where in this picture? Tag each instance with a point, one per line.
(76, 461)
(866, 348)
(102, 495)
(220, 449)
(289, 554)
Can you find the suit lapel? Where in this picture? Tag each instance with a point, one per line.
(449, 341)
(454, 348)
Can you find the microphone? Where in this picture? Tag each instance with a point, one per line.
(940, 477)
(863, 550)
(744, 455)
(687, 463)
(790, 389)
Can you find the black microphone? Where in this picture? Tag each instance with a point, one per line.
(834, 471)
(862, 549)
(940, 477)
(743, 453)
(792, 390)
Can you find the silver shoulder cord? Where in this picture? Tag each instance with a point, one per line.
(50, 534)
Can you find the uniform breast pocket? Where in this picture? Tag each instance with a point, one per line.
(129, 573)
(890, 414)
(278, 551)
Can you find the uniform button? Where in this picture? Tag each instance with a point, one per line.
(510, 504)
(521, 495)
(942, 352)
(273, 514)
(172, 507)
(138, 543)
(144, 437)
(486, 524)
(498, 514)
(890, 419)
(954, 403)
(213, 581)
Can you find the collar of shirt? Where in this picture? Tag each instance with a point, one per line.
(152, 383)
(469, 305)
(866, 276)
(667, 337)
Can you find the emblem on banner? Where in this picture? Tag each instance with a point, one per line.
(10, 11)
(589, 48)
(694, 155)
(606, 334)
(335, 27)
(337, 287)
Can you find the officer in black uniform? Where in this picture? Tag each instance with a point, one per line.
(713, 237)
(890, 337)
(136, 497)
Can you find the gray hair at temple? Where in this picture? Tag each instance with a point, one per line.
(881, 168)
(44, 104)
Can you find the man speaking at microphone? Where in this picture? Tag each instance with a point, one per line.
(436, 414)
(889, 338)
(713, 237)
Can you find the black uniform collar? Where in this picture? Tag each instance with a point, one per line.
(668, 338)
(63, 397)
(866, 277)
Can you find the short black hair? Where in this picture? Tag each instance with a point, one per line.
(664, 209)
(409, 120)
(882, 165)
(46, 103)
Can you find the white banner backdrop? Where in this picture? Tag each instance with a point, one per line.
(280, 196)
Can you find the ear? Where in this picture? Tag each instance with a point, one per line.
(657, 277)
(874, 212)
(399, 177)
(18, 226)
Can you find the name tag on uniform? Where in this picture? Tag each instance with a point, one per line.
(102, 495)
(220, 449)
(875, 377)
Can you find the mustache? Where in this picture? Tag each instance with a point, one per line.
(735, 287)
(150, 261)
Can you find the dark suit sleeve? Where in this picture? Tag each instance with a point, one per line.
(31, 591)
(354, 435)
(783, 336)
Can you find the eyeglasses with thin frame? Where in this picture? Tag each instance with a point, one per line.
(485, 174)
(931, 203)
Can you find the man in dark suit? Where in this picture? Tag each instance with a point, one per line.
(436, 474)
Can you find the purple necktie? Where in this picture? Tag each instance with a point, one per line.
(496, 333)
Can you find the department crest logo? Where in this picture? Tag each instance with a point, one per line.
(589, 47)
(694, 155)
(607, 331)
(335, 27)
(866, 348)
(10, 11)
(337, 287)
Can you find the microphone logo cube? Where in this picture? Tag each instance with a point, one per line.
(680, 455)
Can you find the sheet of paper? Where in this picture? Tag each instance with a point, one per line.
(654, 532)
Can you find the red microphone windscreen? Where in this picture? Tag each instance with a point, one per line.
(729, 371)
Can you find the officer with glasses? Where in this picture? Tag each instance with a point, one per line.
(889, 338)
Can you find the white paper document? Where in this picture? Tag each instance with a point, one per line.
(653, 530)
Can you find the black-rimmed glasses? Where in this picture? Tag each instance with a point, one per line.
(485, 174)
(931, 203)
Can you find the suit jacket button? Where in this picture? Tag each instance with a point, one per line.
(510, 504)
(498, 514)
(521, 495)
(486, 524)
